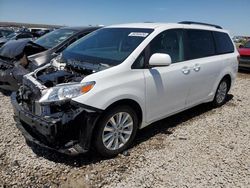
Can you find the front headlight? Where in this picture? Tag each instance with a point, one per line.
(68, 91)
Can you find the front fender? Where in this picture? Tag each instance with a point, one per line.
(127, 85)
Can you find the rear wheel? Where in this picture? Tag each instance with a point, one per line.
(221, 93)
(116, 131)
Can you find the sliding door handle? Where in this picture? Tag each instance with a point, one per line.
(186, 70)
(197, 68)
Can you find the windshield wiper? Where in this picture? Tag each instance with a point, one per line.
(87, 65)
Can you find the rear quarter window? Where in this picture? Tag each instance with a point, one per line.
(223, 43)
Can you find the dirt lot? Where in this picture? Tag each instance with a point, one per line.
(201, 147)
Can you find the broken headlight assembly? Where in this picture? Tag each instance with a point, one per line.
(66, 91)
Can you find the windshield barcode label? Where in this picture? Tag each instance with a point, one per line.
(137, 34)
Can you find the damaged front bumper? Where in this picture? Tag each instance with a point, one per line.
(68, 131)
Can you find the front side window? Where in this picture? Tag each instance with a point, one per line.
(223, 43)
(169, 42)
(54, 38)
(107, 46)
(200, 43)
(11, 36)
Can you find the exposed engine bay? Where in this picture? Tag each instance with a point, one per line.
(60, 116)
(52, 76)
(59, 72)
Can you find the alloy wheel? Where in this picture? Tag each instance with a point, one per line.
(221, 92)
(117, 131)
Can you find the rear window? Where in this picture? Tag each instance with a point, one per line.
(200, 43)
(223, 43)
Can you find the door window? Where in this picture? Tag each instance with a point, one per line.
(200, 43)
(169, 42)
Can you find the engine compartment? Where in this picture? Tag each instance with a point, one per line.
(52, 76)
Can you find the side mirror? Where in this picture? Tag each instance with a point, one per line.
(160, 59)
(241, 46)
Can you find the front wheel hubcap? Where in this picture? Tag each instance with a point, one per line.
(117, 131)
(221, 93)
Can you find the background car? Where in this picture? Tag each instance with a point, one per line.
(16, 36)
(244, 61)
(5, 32)
(20, 57)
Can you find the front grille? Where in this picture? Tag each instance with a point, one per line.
(63, 107)
(32, 87)
(23, 98)
(27, 97)
(4, 64)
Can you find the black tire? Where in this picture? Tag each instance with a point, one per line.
(219, 102)
(98, 137)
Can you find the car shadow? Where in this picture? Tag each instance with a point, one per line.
(163, 126)
(159, 127)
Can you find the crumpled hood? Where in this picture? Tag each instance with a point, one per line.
(13, 48)
(3, 40)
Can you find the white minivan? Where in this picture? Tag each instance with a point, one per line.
(121, 78)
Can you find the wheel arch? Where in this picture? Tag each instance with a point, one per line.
(227, 76)
(229, 79)
(130, 102)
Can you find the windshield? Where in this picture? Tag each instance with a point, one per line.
(54, 38)
(247, 45)
(10, 36)
(5, 33)
(106, 46)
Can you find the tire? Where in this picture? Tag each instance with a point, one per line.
(221, 93)
(112, 137)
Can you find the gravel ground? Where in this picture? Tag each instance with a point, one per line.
(201, 147)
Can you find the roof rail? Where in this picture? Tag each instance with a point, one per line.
(200, 23)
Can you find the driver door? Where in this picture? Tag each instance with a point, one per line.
(167, 86)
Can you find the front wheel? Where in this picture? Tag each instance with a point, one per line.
(221, 93)
(116, 131)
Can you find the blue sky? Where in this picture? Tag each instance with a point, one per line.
(231, 14)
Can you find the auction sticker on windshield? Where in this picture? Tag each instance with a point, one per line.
(137, 34)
